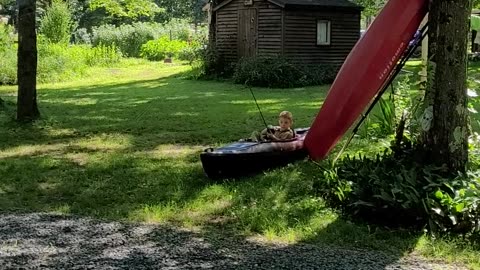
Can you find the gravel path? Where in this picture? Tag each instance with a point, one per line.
(46, 241)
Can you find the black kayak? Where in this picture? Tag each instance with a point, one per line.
(245, 158)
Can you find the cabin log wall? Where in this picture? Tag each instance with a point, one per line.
(301, 36)
(291, 33)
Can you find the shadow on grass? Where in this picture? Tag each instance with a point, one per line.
(119, 187)
(130, 152)
(165, 110)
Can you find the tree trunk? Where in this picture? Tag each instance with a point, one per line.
(212, 22)
(444, 138)
(27, 109)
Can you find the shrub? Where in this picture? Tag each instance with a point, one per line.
(128, 38)
(162, 48)
(281, 73)
(193, 52)
(57, 23)
(393, 190)
(81, 36)
(213, 65)
(177, 29)
(267, 72)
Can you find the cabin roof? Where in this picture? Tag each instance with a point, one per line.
(319, 3)
(305, 3)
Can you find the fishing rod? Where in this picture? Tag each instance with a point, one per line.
(384, 88)
(258, 107)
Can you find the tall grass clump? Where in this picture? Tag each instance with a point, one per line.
(8, 56)
(57, 23)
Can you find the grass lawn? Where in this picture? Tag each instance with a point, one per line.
(124, 144)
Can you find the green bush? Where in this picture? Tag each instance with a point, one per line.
(176, 28)
(392, 190)
(281, 73)
(81, 36)
(162, 48)
(267, 72)
(57, 23)
(128, 38)
(210, 65)
(193, 52)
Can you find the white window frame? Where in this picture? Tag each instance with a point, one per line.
(328, 34)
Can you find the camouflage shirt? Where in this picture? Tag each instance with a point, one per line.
(279, 134)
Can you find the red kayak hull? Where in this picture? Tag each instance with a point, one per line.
(364, 72)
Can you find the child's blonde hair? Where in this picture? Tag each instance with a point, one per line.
(286, 115)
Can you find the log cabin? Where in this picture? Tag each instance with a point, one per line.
(308, 32)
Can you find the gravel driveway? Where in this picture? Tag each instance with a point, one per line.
(47, 241)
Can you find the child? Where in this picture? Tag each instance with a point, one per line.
(282, 132)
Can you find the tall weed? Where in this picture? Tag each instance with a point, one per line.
(103, 55)
(8, 66)
(59, 62)
(57, 23)
(8, 56)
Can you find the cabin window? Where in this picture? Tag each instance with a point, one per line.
(323, 32)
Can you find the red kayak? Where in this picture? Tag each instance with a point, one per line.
(364, 72)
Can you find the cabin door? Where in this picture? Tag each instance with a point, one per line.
(247, 33)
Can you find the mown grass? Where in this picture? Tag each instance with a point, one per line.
(124, 144)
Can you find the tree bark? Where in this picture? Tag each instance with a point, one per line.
(444, 138)
(212, 24)
(27, 109)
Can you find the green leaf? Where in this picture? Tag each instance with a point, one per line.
(439, 194)
(459, 207)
